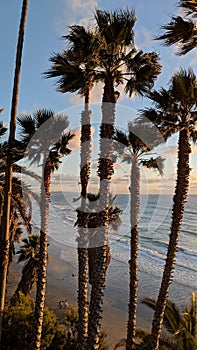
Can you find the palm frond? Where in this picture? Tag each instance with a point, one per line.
(121, 343)
(72, 77)
(174, 109)
(47, 129)
(2, 129)
(144, 70)
(180, 31)
(28, 127)
(116, 27)
(154, 163)
(193, 135)
(189, 6)
(172, 316)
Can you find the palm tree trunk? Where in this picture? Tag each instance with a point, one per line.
(4, 236)
(83, 304)
(105, 172)
(180, 196)
(133, 262)
(43, 255)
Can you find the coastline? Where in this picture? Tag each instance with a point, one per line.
(62, 284)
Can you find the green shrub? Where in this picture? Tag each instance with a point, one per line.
(18, 325)
(71, 323)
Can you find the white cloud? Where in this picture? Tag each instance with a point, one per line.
(75, 99)
(76, 11)
(144, 39)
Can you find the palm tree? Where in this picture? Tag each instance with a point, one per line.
(118, 63)
(75, 67)
(20, 210)
(21, 200)
(29, 253)
(174, 111)
(182, 30)
(20, 206)
(182, 326)
(135, 147)
(48, 142)
(4, 235)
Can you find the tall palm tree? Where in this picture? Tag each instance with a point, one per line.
(29, 253)
(182, 325)
(135, 147)
(4, 235)
(48, 142)
(174, 112)
(118, 64)
(75, 67)
(182, 29)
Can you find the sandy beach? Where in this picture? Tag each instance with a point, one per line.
(62, 284)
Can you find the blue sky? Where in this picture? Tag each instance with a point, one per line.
(47, 21)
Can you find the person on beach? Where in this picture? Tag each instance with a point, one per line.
(60, 304)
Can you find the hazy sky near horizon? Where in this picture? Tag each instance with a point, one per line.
(47, 21)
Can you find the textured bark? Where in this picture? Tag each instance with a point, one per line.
(105, 172)
(92, 257)
(4, 235)
(97, 295)
(180, 196)
(83, 303)
(43, 256)
(133, 262)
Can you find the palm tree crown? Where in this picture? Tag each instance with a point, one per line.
(175, 108)
(75, 66)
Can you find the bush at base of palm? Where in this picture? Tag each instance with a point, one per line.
(18, 323)
(71, 323)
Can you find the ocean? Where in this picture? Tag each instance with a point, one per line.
(154, 229)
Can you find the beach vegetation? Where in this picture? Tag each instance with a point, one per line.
(180, 324)
(71, 321)
(18, 325)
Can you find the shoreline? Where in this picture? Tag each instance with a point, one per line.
(62, 284)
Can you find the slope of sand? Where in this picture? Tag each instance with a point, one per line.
(62, 284)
